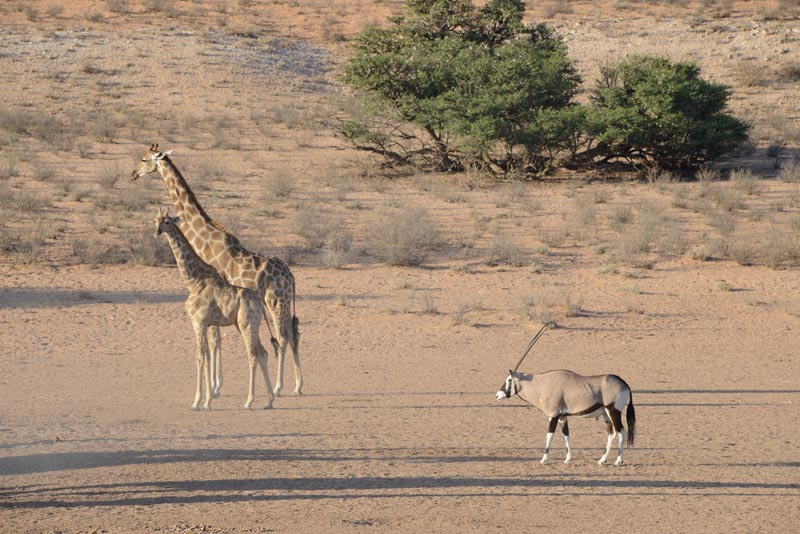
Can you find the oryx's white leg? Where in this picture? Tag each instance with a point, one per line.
(621, 445)
(546, 448)
(215, 350)
(550, 431)
(616, 420)
(614, 427)
(611, 433)
(565, 431)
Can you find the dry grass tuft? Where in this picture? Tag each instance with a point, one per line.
(404, 237)
(551, 303)
(317, 226)
(504, 251)
(746, 182)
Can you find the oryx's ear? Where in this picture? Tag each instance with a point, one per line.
(510, 372)
(168, 153)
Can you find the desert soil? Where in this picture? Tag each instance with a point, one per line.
(397, 428)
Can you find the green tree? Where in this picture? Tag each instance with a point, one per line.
(653, 112)
(477, 83)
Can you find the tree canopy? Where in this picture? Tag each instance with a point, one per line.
(454, 85)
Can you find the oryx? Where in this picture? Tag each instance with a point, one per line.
(560, 394)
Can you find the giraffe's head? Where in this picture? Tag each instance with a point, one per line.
(149, 162)
(162, 220)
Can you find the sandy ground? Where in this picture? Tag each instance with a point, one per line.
(398, 428)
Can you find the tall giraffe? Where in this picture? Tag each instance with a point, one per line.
(214, 302)
(217, 246)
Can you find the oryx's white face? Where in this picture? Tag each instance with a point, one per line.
(509, 389)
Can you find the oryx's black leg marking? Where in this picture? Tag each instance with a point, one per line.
(565, 427)
(616, 418)
(553, 424)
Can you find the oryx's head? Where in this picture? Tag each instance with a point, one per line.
(162, 220)
(149, 162)
(510, 387)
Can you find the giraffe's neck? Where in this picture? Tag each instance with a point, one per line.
(192, 268)
(195, 222)
(189, 209)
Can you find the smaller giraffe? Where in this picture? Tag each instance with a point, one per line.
(214, 302)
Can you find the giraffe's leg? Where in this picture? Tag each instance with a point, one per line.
(215, 349)
(207, 373)
(261, 357)
(251, 384)
(200, 355)
(280, 350)
(294, 342)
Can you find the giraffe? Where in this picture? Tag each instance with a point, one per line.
(220, 248)
(213, 301)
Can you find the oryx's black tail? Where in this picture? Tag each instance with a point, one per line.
(630, 418)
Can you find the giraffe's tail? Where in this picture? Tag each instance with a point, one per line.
(271, 337)
(295, 320)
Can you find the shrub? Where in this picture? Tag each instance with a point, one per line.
(505, 252)
(404, 237)
(316, 226)
(653, 112)
(748, 183)
(790, 171)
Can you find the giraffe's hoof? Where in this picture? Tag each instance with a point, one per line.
(268, 406)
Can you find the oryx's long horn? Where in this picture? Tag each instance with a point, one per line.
(530, 345)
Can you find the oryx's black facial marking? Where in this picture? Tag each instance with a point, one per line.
(508, 387)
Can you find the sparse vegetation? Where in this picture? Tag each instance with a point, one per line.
(404, 237)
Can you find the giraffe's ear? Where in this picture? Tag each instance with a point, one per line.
(168, 153)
